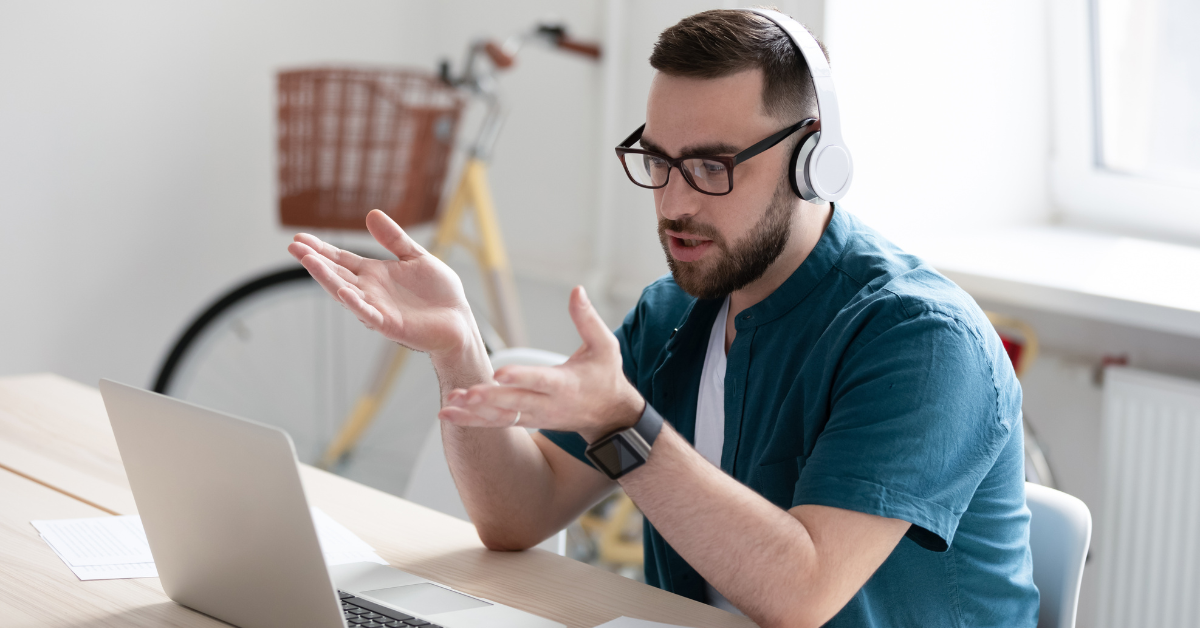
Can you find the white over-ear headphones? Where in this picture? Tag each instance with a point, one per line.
(821, 166)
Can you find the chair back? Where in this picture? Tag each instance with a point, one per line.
(1060, 531)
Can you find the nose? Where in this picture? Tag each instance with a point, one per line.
(677, 199)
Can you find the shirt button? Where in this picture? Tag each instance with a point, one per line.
(747, 317)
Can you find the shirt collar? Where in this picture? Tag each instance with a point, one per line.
(697, 320)
(819, 262)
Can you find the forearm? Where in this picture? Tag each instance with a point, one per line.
(505, 484)
(464, 365)
(504, 480)
(759, 556)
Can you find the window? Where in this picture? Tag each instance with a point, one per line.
(1126, 86)
(1147, 56)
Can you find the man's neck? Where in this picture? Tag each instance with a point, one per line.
(809, 223)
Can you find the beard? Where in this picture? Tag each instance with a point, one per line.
(737, 266)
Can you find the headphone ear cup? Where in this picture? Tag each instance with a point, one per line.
(795, 175)
(799, 166)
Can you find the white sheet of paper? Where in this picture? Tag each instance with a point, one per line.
(109, 572)
(340, 545)
(629, 622)
(105, 548)
(97, 540)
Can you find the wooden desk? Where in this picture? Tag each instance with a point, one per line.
(55, 432)
(38, 589)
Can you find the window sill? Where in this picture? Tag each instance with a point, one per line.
(1127, 281)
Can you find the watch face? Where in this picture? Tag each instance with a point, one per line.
(616, 456)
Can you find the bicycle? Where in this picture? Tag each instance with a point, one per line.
(276, 349)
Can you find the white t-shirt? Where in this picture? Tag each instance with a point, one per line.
(710, 404)
(710, 417)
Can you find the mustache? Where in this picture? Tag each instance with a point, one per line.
(688, 225)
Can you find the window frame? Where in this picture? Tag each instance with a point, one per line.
(1084, 192)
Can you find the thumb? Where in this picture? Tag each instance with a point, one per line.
(391, 236)
(591, 327)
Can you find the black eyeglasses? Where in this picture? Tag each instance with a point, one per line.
(712, 175)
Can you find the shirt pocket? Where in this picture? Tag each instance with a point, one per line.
(776, 480)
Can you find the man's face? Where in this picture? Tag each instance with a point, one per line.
(718, 244)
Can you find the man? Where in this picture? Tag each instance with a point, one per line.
(843, 432)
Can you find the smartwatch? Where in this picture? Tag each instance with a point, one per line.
(626, 449)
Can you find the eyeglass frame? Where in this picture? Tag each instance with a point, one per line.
(728, 161)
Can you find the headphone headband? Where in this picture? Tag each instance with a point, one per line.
(827, 169)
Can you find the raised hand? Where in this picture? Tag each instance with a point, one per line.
(415, 300)
(588, 393)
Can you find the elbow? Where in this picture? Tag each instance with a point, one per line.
(496, 544)
(798, 620)
(791, 623)
(498, 540)
(792, 612)
(774, 620)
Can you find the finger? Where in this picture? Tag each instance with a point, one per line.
(391, 236)
(480, 416)
(365, 312)
(457, 397)
(467, 418)
(321, 270)
(542, 379)
(591, 327)
(299, 250)
(342, 258)
(505, 398)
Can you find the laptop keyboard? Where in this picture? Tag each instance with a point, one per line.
(360, 613)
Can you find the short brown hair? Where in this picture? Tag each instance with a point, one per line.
(717, 43)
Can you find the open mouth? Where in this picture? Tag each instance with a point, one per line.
(687, 249)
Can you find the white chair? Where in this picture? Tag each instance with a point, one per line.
(1060, 531)
(431, 484)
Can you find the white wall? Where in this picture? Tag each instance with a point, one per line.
(136, 162)
(946, 110)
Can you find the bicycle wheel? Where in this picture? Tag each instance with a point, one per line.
(278, 350)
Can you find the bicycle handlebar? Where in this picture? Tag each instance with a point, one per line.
(585, 48)
(480, 80)
(502, 60)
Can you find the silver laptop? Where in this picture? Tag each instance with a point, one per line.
(232, 535)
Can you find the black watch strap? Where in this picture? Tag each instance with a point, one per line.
(649, 425)
(626, 449)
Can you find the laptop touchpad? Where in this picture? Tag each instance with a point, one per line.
(425, 599)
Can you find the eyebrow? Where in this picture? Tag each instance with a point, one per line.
(696, 150)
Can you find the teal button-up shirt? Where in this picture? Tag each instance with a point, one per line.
(868, 382)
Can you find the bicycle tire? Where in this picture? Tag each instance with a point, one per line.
(276, 349)
(162, 381)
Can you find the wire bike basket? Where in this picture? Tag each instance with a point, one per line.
(356, 139)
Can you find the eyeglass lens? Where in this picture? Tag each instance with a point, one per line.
(653, 171)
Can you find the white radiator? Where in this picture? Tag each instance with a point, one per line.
(1149, 545)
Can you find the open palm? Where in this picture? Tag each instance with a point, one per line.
(415, 300)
